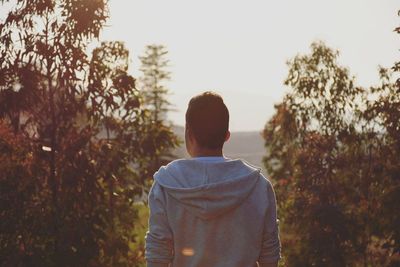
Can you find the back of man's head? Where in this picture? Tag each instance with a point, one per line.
(207, 118)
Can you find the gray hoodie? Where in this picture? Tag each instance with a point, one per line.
(211, 214)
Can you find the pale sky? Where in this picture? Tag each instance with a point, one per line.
(239, 48)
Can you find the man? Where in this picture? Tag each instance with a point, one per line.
(211, 211)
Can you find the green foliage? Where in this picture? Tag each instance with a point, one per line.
(75, 140)
(155, 75)
(328, 147)
(140, 233)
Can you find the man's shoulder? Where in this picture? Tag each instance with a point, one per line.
(170, 165)
(175, 163)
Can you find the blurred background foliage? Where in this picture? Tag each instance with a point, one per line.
(80, 139)
(333, 151)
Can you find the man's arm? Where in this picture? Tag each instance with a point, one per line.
(159, 239)
(271, 246)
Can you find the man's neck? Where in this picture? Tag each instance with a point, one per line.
(207, 153)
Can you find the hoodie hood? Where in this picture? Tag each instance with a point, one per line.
(208, 189)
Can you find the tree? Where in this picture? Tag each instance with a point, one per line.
(321, 152)
(73, 136)
(155, 74)
(383, 115)
(44, 42)
(387, 108)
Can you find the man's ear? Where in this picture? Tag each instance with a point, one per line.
(228, 135)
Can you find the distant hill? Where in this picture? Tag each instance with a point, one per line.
(245, 145)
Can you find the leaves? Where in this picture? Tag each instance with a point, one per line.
(155, 74)
(71, 204)
(329, 148)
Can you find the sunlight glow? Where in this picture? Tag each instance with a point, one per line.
(46, 148)
(239, 48)
(188, 252)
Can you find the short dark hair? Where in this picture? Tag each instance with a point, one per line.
(208, 119)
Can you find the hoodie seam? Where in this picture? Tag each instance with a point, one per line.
(207, 186)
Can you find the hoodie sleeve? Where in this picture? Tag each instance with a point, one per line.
(271, 246)
(159, 239)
